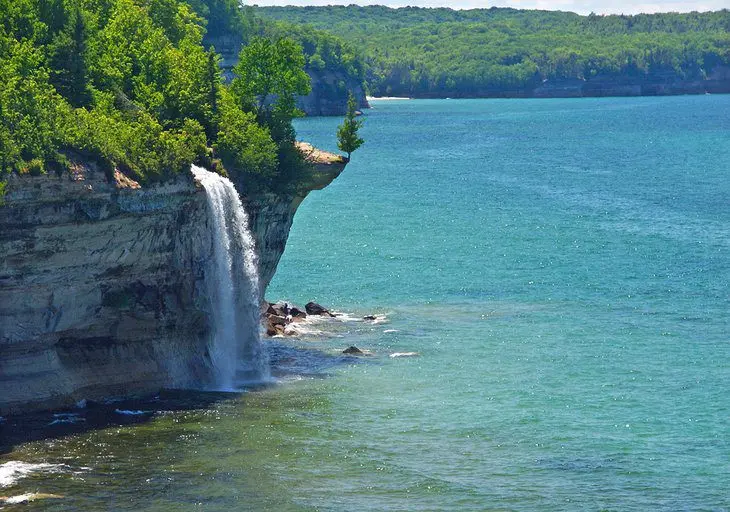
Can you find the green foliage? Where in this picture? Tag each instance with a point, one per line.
(31, 110)
(67, 58)
(348, 139)
(269, 69)
(322, 50)
(129, 83)
(269, 76)
(243, 144)
(482, 52)
(227, 16)
(35, 167)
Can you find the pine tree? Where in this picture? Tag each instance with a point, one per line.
(213, 79)
(68, 61)
(348, 139)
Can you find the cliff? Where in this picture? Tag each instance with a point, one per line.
(330, 91)
(271, 214)
(330, 88)
(658, 83)
(101, 283)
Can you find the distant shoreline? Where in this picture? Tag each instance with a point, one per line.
(386, 98)
(663, 90)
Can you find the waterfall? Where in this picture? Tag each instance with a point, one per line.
(233, 288)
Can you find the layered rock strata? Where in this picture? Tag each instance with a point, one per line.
(102, 282)
(98, 288)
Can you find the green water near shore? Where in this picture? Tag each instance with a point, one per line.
(561, 267)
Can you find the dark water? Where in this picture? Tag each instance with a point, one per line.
(561, 267)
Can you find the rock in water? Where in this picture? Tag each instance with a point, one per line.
(297, 313)
(277, 320)
(353, 350)
(315, 309)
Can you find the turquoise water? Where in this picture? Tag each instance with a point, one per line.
(561, 266)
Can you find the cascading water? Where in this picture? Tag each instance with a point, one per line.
(233, 287)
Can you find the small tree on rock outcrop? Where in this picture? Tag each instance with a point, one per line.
(347, 136)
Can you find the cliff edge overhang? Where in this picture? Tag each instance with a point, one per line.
(272, 213)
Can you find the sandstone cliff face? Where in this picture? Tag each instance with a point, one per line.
(102, 284)
(98, 289)
(666, 83)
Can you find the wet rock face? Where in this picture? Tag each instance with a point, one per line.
(315, 309)
(98, 289)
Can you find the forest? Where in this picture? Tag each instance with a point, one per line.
(426, 52)
(129, 84)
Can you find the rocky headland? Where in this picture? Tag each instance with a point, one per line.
(101, 281)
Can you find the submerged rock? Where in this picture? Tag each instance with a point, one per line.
(370, 317)
(353, 350)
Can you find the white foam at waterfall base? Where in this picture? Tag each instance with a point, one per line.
(11, 472)
(232, 281)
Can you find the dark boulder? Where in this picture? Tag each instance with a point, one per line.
(353, 351)
(370, 317)
(295, 312)
(315, 309)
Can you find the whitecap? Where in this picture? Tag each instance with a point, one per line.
(405, 354)
(344, 317)
(127, 412)
(11, 472)
(27, 498)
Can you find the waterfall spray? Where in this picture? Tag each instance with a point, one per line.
(233, 287)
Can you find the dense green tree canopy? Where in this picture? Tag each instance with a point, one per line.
(322, 50)
(442, 52)
(130, 84)
(269, 74)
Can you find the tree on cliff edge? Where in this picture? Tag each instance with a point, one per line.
(347, 136)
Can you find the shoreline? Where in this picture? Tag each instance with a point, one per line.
(387, 98)
(545, 96)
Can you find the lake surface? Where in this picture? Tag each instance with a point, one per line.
(562, 267)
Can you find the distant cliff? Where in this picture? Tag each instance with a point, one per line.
(101, 283)
(655, 84)
(330, 88)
